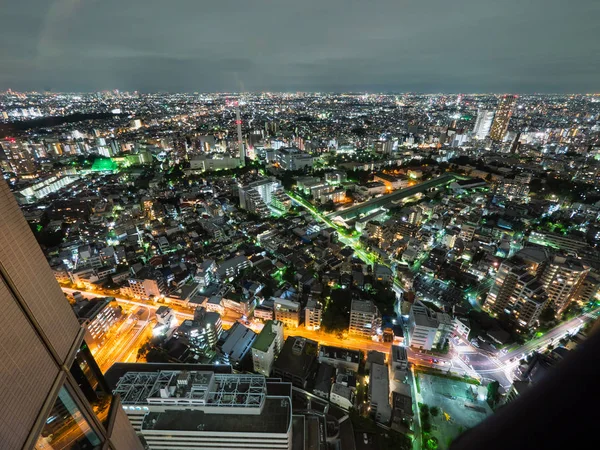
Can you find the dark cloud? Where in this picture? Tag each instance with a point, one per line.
(285, 45)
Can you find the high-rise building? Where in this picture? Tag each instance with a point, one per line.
(517, 291)
(365, 318)
(53, 393)
(562, 279)
(501, 293)
(483, 123)
(504, 112)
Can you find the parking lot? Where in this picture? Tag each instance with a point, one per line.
(463, 403)
(436, 290)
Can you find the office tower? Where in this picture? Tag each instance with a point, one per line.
(365, 318)
(504, 112)
(53, 394)
(561, 279)
(200, 408)
(238, 122)
(483, 123)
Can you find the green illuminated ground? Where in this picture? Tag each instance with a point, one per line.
(104, 164)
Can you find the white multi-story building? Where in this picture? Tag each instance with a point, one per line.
(365, 318)
(342, 396)
(259, 196)
(233, 266)
(97, 317)
(426, 328)
(287, 311)
(293, 159)
(181, 410)
(313, 315)
(267, 346)
(483, 123)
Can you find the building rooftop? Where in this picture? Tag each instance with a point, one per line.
(274, 417)
(343, 354)
(399, 353)
(379, 386)
(297, 356)
(364, 306)
(187, 388)
(423, 316)
(266, 337)
(239, 340)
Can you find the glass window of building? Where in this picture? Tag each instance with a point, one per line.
(67, 428)
(89, 378)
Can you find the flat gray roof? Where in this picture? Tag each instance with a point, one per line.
(275, 417)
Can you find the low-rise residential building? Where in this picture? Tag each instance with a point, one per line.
(398, 358)
(340, 358)
(313, 315)
(379, 393)
(342, 396)
(232, 267)
(287, 311)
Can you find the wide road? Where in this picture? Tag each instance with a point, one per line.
(551, 337)
(501, 365)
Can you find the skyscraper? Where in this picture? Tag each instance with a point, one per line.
(53, 394)
(504, 112)
(483, 123)
(238, 122)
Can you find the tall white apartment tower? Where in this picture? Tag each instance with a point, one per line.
(483, 123)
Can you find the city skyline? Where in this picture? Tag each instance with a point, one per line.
(393, 47)
(414, 261)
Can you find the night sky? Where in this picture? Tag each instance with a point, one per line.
(515, 46)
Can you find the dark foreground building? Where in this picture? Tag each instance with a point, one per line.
(53, 394)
